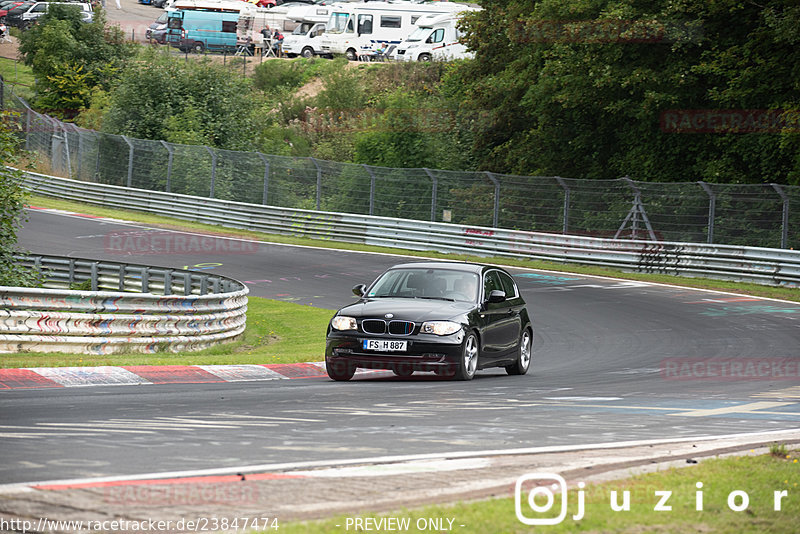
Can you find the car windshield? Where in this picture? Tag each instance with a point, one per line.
(419, 34)
(431, 283)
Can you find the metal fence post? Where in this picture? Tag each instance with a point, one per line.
(712, 209)
(130, 161)
(265, 196)
(97, 158)
(213, 170)
(496, 208)
(28, 112)
(319, 181)
(170, 157)
(784, 215)
(434, 192)
(80, 152)
(567, 193)
(371, 189)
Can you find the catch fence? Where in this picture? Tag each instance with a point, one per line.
(689, 212)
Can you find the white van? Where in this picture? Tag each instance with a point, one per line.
(360, 28)
(305, 40)
(436, 37)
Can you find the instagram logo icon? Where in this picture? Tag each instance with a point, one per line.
(538, 507)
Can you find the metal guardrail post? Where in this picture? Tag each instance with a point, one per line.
(168, 282)
(784, 215)
(371, 189)
(170, 158)
(130, 161)
(434, 192)
(265, 196)
(567, 193)
(93, 274)
(146, 280)
(319, 181)
(122, 271)
(712, 209)
(213, 170)
(496, 209)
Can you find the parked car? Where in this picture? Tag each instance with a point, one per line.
(13, 15)
(450, 318)
(158, 29)
(27, 17)
(5, 7)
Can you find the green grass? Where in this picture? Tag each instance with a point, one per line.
(18, 75)
(758, 476)
(277, 332)
(791, 294)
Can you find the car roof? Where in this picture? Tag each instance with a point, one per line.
(451, 265)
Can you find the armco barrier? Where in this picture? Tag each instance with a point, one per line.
(130, 308)
(752, 264)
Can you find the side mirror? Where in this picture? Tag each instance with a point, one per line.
(496, 296)
(359, 290)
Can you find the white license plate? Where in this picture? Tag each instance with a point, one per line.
(385, 345)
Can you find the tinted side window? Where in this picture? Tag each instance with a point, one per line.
(491, 282)
(508, 285)
(229, 26)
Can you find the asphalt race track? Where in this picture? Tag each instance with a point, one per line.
(613, 361)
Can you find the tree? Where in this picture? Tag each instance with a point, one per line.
(71, 58)
(12, 204)
(580, 88)
(159, 97)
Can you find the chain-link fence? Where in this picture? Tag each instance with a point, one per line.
(696, 212)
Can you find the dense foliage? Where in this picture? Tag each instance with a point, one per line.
(581, 88)
(12, 204)
(71, 59)
(161, 98)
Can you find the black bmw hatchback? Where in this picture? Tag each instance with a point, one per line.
(449, 318)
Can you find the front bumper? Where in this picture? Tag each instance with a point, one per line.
(424, 352)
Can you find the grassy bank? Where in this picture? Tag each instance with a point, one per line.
(757, 476)
(277, 332)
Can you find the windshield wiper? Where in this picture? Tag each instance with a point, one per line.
(437, 298)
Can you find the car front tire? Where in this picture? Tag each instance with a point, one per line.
(340, 371)
(468, 365)
(523, 363)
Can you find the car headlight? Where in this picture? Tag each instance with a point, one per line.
(440, 328)
(342, 322)
(412, 46)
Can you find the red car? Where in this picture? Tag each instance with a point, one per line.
(5, 7)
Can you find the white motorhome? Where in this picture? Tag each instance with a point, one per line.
(436, 37)
(360, 28)
(254, 22)
(306, 39)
